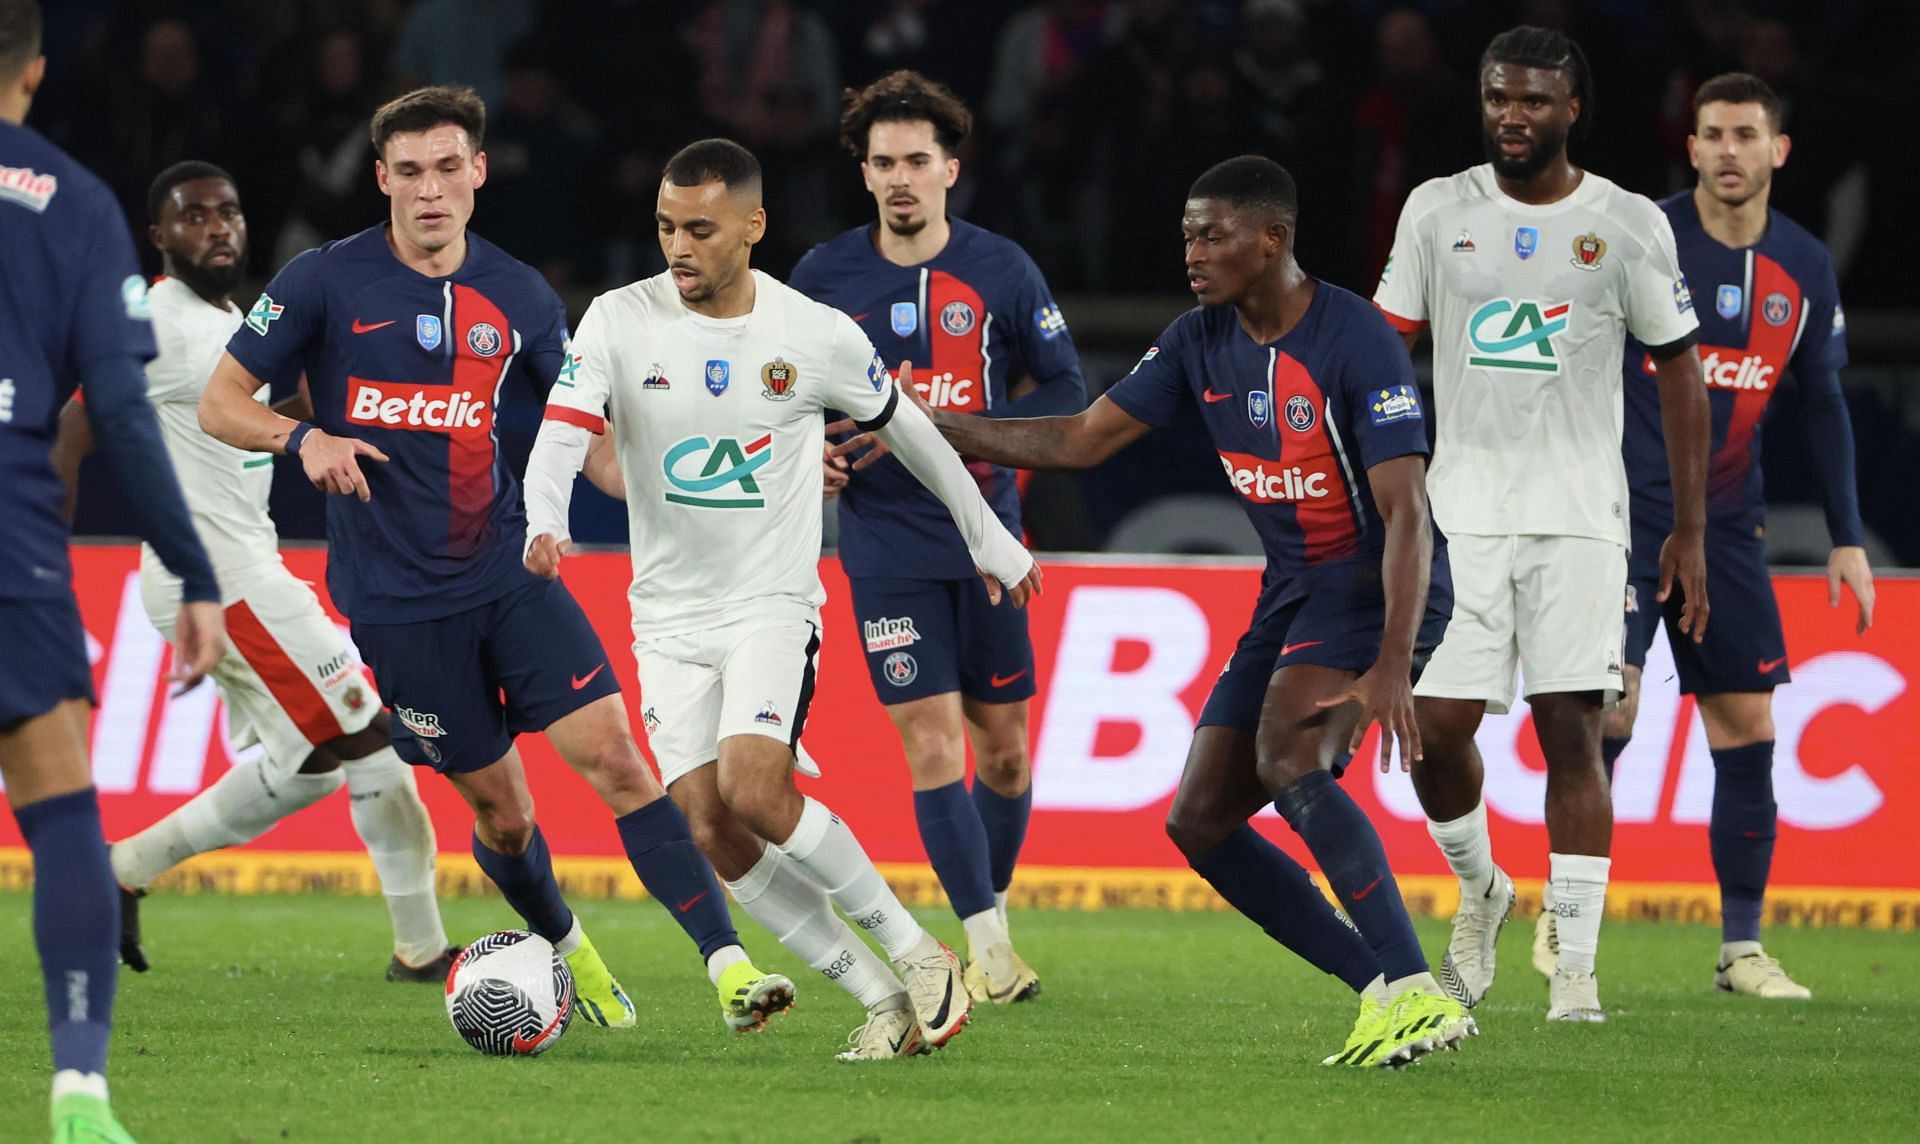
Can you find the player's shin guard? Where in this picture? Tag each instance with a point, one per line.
(393, 824)
(1579, 902)
(1610, 751)
(823, 847)
(1258, 879)
(1005, 821)
(957, 846)
(1741, 833)
(671, 867)
(245, 803)
(526, 881)
(76, 925)
(1348, 850)
(798, 913)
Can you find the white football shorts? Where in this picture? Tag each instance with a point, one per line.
(744, 677)
(1548, 606)
(291, 680)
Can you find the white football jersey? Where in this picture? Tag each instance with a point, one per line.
(719, 427)
(1529, 307)
(226, 488)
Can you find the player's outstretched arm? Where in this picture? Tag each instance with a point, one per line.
(1003, 561)
(1385, 692)
(1687, 421)
(229, 413)
(559, 452)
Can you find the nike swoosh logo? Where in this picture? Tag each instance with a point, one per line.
(901, 1039)
(1289, 649)
(524, 1044)
(360, 327)
(1003, 680)
(1767, 665)
(946, 1003)
(1361, 895)
(1212, 397)
(862, 318)
(580, 681)
(683, 907)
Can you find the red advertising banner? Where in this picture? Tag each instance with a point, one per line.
(1126, 653)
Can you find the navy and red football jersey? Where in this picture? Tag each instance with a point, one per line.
(972, 319)
(413, 366)
(1764, 310)
(1297, 423)
(70, 291)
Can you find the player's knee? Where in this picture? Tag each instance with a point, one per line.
(935, 757)
(1194, 831)
(505, 829)
(1002, 767)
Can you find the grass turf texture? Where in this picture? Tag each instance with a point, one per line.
(267, 1018)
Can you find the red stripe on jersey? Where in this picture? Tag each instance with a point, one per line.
(477, 325)
(956, 317)
(1753, 374)
(585, 420)
(1326, 520)
(1404, 325)
(297, 695)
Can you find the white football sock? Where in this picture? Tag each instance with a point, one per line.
(719, 959)
(244, 804)
(570, 943)
(1579, 902)
(984, 931)
(822, 846)
(68, 1082)
(1468, 849)
(1377, 991)
(392, 822)
(792, 906)
(1421, 980)
(1000, 907)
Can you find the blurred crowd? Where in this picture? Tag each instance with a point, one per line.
(1093, 115)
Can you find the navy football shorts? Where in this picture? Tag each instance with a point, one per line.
(1745, 648)
(43, 658)
(462, 686)
(929, 637)
(1335, 622)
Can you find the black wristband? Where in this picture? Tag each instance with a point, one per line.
(298, 435)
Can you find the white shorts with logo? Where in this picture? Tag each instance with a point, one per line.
(751, 676)
(1549, 605)
(290, 678)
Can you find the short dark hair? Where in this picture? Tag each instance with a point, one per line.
(19, 34)
(426, 108)
(185, 171)
(1250, 181)
(1528, 46)
(903, 96)
(1739, 87)
(713, 161)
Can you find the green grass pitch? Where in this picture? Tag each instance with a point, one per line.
(266, 1018)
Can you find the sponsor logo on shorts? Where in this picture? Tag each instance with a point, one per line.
(354, 698)
(768, 715)
(650, 719)
(900, 669)
(887, 633)
(1633, 600)
(423, 724)
(334, 666)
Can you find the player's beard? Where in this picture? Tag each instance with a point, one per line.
(1548, 145)
(1749, 190)
(906, 228)
(211, 281)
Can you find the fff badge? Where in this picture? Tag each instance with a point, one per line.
(426, 330)
(1526, 240)
(719, 373)
(906, 319)
(1259, 408)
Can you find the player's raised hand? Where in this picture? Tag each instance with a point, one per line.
(834, 473)
(1848, 565)
(544, 554)
(333, 463)
(1683, 557)
(199, 640)
(1385, 696)
(1026, 589)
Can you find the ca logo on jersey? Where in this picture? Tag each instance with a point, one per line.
(716, 474)
(1510, 334)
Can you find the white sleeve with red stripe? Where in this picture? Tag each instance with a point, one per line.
(576, 412)
(1404, 284)
(1659, 306)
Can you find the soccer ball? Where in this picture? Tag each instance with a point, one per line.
(510, 994)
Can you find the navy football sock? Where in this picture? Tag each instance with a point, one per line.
(662, 852)
(526, 881)
(1741, 834)
(1348, 850)
(1610, 749)
(1005, 821)
(76, 925)
(956, 845)
(1274, 892)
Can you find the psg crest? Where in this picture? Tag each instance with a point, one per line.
(957, 318)
(778, 377)
(1300, 415)
(1776, 309)
(718, 374)
(483, 339)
